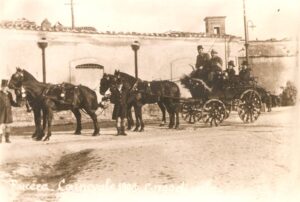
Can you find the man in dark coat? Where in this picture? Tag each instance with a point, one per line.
(201, 63)
(215, 66)
(230, 71)
(119, 97)
(244, 73)
(6, 101)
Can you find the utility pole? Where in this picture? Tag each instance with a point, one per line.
(246, 33)
(72, 13)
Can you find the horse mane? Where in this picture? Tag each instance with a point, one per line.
(128, 77)
(29, 76)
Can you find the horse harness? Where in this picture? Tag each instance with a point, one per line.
(61, 98)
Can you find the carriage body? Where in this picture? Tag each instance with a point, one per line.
(214, 104)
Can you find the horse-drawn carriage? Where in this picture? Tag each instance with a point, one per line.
(213, 104)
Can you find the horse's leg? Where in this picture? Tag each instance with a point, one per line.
(49, 113)
(93, 116)
(77, 115)
(35, 116)
(170, 110)
(141, 119)
(163, 110)
(177, 115)
(172, 117)
(137, 118)
(130, 121)
(38, 135)
(171, 113)
(44, 121)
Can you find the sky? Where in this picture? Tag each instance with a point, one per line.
(272, 18)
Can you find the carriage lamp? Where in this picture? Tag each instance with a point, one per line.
(135, 47)
(43, 43)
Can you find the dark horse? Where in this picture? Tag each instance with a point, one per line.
(165, 93)
(46, 98)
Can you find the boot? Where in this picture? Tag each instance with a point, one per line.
(118, 131)
(0, 138)
(123, 131)
(7, 138)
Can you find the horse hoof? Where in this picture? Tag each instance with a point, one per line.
(141, 130)
(96, 134)
(162, 124)
(38, 138)
(171, 126)
(77, 133)
(136, 129)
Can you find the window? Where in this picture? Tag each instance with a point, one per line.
(217, 30)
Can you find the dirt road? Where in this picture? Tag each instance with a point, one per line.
(236, 161)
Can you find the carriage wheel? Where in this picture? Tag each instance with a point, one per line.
(249, 106)
(191, 112)
(214, 112)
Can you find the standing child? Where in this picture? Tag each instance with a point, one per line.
(6, 101)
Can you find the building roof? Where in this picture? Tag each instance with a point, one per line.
(58, 27)
(214, 17)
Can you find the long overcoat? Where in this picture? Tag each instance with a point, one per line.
(6, 101)
(119, 97)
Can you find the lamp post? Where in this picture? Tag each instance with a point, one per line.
(246, 32)
(135, 47)
(43, 43)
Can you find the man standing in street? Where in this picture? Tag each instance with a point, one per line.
(6, 101)
(119, 97)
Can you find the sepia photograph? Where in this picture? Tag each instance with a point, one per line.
(149, 100)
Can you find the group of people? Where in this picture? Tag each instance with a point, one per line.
(208, 67)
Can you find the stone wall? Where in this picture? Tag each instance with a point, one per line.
(161, 56)
(273, 63)
(157, 57)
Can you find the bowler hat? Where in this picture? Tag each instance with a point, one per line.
(214, 51)
(199, 47)
(231, 63)
(4, 83)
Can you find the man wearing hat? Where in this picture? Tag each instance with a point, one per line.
(6, 101)
(202, 58)
(215, 65)
(244, 72)
(230, 71)
(119, 97)
(201, 62)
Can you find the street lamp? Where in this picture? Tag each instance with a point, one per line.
(43, 43)
(135, 47)
(251, 25)
(246, 32)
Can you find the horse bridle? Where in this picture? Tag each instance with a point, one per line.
(21, 89)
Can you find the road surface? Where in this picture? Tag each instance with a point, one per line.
(234, 162)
